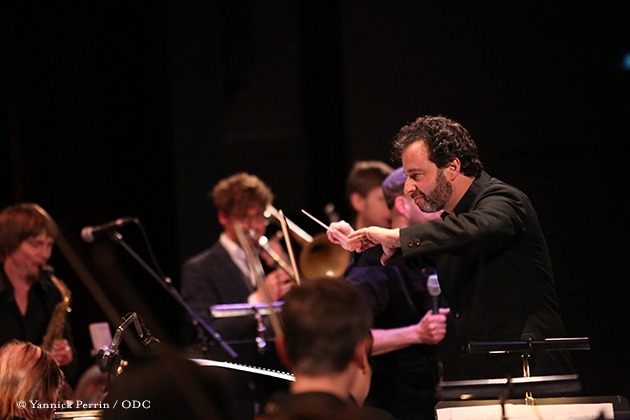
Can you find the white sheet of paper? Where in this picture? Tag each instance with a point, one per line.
(522, 411)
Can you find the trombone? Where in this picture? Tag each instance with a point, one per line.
(318, 256)
(263, 243)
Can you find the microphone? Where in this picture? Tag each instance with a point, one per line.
(89, 233)
(433, 287)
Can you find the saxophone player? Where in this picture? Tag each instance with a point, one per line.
(28, 298)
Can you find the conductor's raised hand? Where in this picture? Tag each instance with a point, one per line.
(338, 232)
(366, 238)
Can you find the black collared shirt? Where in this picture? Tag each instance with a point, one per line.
(42, 299)
(495, 272)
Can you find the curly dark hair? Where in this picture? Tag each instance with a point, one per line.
(237, 192)
(445, 140)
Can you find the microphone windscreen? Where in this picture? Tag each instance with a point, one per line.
(433, 286)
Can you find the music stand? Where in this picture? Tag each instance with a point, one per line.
(508, 387)
(230, 310)
(595, 407)
(504, 388)
(526, 348)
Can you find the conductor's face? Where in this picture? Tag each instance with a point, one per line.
(251, 220)
(425, 183)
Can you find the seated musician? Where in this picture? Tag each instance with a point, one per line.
(27, 296)
(327, 344)
(222, 275)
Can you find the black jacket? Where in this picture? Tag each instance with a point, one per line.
(495, 272)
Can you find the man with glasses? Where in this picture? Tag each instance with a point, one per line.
(222, 274)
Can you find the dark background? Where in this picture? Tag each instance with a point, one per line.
(131, 108)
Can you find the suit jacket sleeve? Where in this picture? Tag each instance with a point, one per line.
(496, 219)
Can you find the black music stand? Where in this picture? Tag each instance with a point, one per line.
(596, 406)
(526, 348)
(504, 388)
(230, 310)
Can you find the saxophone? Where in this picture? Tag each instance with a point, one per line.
(57, 323)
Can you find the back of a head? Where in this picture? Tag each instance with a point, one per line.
(170, 387)
(324, 320)
(27, 373)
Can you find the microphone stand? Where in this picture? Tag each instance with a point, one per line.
(167, 284)
(112, 362)
(112, 355)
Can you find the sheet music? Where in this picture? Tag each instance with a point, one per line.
(522, 412)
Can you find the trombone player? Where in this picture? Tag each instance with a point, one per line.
(221, 274)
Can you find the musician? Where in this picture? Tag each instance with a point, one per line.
(28, 374)
(405, 331)
(364, 193)
(27, 295)
(171, 387)
(327, 344)
(221, 274)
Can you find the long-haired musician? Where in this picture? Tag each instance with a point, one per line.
(30, 380)
(27, 296)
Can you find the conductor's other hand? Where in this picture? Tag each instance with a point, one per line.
(338, 233)
(368, 237)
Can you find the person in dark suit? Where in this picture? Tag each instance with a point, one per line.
(221, 275)
(489, 251)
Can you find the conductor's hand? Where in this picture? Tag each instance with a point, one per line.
(366, 238)
(432, 327)
(61, 352)
(279, 283)
(338, 233)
